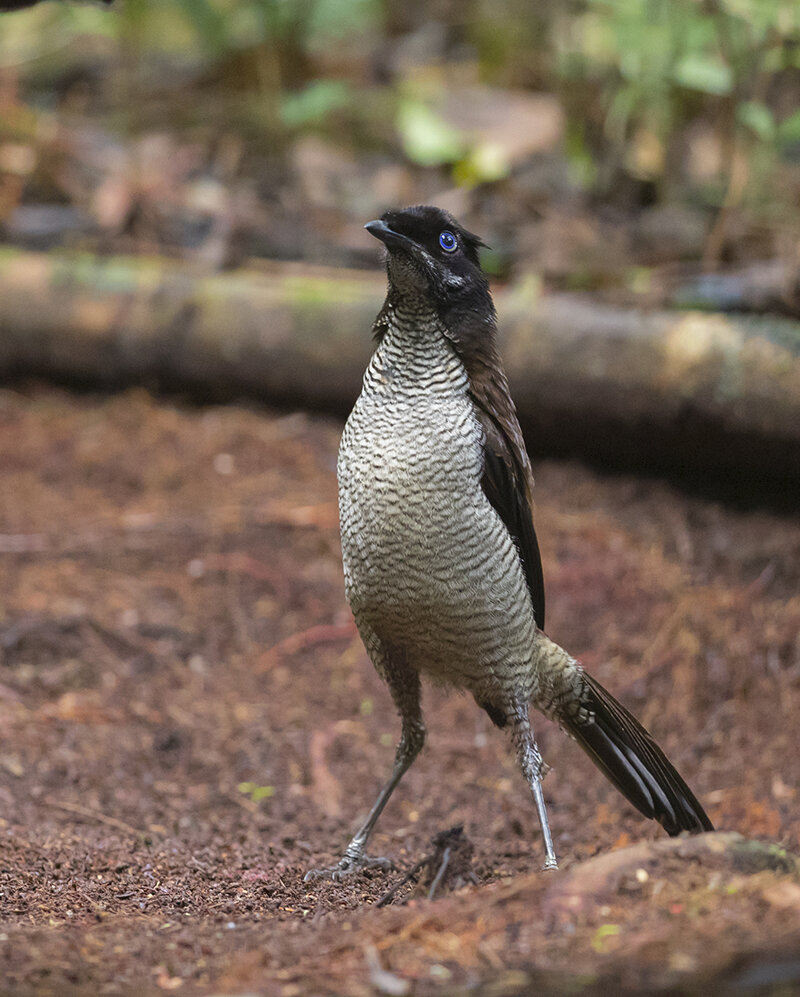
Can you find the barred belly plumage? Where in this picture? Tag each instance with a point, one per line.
(431, 571)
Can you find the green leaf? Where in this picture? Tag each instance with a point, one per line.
(698, 71)
(789, 129)
(336, 19)
(427, 139)
(485, 163)
(208, 23)
(603, 933)
(581, 163)
(492, 262)
(311, 105)
(758, 118)
(256, 792)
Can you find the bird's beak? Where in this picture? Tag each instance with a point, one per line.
(387, 235)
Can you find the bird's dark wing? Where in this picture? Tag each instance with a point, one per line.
(507, 475)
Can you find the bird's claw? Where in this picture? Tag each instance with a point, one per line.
(347, 866)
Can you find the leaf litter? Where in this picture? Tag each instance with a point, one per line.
(173, 627)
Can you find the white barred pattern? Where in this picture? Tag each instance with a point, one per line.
(431, 572)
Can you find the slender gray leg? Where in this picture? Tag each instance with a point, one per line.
(533, 768)
(409, 747)
(404, 686)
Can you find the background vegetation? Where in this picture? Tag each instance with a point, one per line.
(274, 127)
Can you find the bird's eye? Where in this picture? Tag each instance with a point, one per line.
(448, 241)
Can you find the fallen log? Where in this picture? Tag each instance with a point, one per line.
(703, 394)
(771, 287)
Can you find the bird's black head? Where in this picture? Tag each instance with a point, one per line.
(431, 260)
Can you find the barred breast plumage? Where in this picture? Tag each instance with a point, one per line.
(430, 569)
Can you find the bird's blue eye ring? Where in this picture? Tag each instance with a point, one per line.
(448, 241)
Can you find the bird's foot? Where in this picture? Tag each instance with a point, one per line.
(347, 866)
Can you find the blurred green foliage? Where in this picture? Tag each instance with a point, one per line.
(256, 792)
(631, 74)
(427, 139)
(656, 63)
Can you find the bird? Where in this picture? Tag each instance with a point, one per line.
(441, 561)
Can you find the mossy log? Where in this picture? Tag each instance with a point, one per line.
(705, 394)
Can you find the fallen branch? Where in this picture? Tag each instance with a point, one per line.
(762, 288)
(699, 393)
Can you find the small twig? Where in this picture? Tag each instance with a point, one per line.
(245, 802)
(23, 543)
(440, 874)
(322, 633)
(415, 870)
(740, 144)
(444, 843)
(323, 515)
(239, 563)
(381, 979)
(101, 818)
(54, 629)
(326, 787)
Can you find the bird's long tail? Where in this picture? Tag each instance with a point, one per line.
(618, 744)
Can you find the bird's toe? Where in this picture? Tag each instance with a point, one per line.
(348, 866)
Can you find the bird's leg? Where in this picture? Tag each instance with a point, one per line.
(409, 747)
(533, 768)
(405, 691)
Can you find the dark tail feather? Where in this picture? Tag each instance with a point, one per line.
(619, 745)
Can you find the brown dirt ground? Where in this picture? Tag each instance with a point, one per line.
(188, 722)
